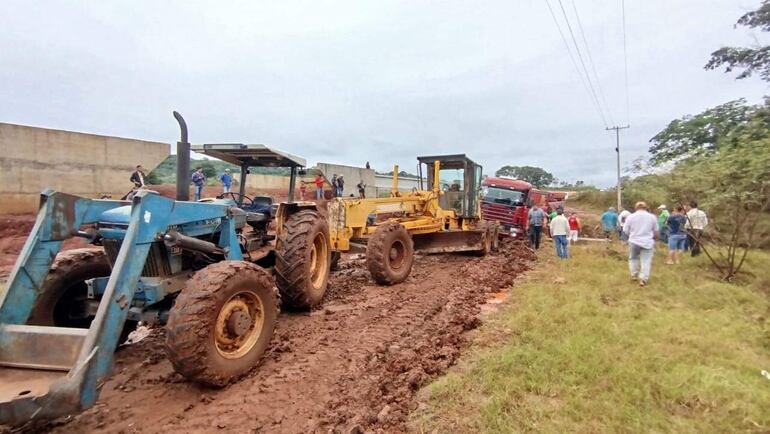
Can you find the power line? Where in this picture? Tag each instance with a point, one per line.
(625, 59)
(577, 68)
(591, 62)
(582, 62)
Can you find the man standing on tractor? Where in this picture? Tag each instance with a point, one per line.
(335, 188)
(138, 177)
(535, 218)
(361, 190)
(319, 187)
(199, 180)
(227, 180)
(340, 186)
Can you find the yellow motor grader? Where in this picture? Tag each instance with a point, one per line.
(444, 217)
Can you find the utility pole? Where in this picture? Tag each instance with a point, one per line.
(617, 151)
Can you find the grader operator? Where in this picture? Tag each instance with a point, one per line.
(444, 217)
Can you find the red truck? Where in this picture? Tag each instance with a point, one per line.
(508, 200)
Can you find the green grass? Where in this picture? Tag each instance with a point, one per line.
(599, 354)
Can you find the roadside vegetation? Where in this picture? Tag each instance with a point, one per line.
(579, 348)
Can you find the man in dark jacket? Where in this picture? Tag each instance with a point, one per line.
(138, 177)
(199, 179)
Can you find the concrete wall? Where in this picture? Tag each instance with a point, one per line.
(383, 184)
(352, 176)
(261, 181)
(32, 159)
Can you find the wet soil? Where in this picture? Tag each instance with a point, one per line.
(351, 366)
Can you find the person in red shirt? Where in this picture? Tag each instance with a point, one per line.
(319, 187)
(574, 227)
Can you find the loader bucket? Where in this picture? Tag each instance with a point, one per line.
(48, 371)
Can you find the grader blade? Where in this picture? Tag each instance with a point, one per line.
(450, 241)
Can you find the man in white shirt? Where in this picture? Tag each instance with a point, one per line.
(697, 221)
(641, 227)
(622, 221)
(559, 231)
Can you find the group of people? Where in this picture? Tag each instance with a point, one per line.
(338, 187)
(564, 230)
(681, 230)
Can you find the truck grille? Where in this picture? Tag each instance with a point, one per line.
(157, 263)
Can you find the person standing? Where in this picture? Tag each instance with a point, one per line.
(609, 222)
(662, 217)
(227, 180)
(368, 166)
(340, 186)
(624, 213)
(302, 189)
(535, 219)
(559, 230)
(697, 221)
(361, 190)
(334, 185)
(319, 187)
(641, 228)
(137, 177)
(199, 180)
(574, 227)
(677, 237)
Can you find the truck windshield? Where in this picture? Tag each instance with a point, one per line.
(502, 195)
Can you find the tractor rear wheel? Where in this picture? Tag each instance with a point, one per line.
(222, 322)
(390, 254)
(63, 297)
(302, 260)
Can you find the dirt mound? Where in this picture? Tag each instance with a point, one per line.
(14, 229)
(353, 365)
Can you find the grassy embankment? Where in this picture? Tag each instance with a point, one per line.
(579, 348)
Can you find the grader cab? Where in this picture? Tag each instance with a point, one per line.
(444, 217)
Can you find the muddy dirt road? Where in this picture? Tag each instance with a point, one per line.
(351, 366)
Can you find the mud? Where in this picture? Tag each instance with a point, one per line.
(353, 365)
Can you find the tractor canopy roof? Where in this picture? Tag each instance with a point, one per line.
(249, 155)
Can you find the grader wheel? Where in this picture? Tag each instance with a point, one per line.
(390, 254)
(303, 258)
(222, 322)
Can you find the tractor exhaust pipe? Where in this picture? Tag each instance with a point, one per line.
(182, 161)
(173, 238)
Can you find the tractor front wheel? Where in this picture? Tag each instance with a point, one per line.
(222, 322)
(303, 259)
(63, 297)
(390, 254)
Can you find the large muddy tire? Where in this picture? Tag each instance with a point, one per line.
(64, 294)
(390, 254)
(222, 322)
(302, 260)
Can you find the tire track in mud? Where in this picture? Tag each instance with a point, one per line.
(351, 366)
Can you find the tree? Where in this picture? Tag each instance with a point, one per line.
(752, 60)
(534, 175)
(734, 186)
(692, 135)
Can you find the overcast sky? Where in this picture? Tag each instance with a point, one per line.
(382, 81)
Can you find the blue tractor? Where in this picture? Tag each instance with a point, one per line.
(213, 272)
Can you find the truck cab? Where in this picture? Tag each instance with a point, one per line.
(507, 201)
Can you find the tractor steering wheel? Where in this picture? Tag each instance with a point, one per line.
(236, 196)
